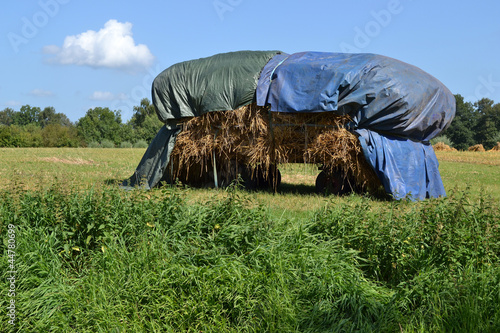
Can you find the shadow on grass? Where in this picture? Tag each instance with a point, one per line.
(283, 189)
(302, 189)
(114, 181)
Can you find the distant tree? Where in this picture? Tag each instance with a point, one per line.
(144, 121)
(485, 129)
(149, 129)
(49, 116)
(496, 115)
(141, 112)
(127, 133)
(460, 131)
(6, 116)
(20, 136)
(32, 135)
(98, 124)
(27, 115)
(6, 136)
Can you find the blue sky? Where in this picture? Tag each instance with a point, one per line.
(75, 55)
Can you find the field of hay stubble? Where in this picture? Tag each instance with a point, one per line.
(35, 168)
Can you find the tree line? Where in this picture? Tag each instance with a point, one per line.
(100, 127)
(474, 123)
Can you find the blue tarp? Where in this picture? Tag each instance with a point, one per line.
(406, 168)
(396, 108)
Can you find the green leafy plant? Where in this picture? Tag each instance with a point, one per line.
(141, 144)
(125, 144)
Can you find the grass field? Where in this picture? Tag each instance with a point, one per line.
(89, 257)
(35, 168)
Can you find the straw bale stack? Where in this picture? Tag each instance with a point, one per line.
(253, 141)
(441, 146)
(478, 147)
(496, 148)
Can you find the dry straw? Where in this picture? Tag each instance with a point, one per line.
(478, 147)
(441, 146)
(496, 148)
(252, 136)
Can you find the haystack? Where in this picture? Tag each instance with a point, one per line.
(441, 146)
(496, 148)
(254, 140)
(478, 147)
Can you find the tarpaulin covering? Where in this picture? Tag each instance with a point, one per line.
(406, 168)
(151, 168)
(221, 82)
(396, 108)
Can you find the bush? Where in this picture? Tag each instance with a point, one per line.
(442, 138)
(94, 144)
(125, 144)
(57, 135)
(141, 144)
(105, 143)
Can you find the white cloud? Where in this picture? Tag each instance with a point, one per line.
(112, 47)
(13, 103)
(41, 93)
(107, 96)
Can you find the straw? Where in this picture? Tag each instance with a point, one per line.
(252, 137)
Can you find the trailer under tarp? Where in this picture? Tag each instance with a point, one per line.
(395, 108)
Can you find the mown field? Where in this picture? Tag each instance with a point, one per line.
(89, 257)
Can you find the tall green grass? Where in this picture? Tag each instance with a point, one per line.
(440, 256)
(104, 260)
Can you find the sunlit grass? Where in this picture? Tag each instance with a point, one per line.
(103, 259)
(37, 168)
(92, 257)
(477, 171)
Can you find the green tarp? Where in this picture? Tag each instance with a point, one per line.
(221, 82)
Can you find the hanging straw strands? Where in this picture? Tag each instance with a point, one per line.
(254, 137)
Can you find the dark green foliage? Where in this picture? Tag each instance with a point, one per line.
(6, 117)
(33, 127)
(52, 135)
(49, 116)
(16, 136)
(99, 124)
(27, 115)
(487, 127)
(145, 122)
(145, 261)
(474, 123)
(57, 135)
